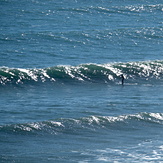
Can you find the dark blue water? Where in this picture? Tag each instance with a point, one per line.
(61, 92)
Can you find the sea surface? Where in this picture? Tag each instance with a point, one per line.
(61, 93)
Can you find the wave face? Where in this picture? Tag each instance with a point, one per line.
(134, 72)
(76, 126)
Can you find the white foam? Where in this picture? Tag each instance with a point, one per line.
(30, 73)
(57, 123)
(158, 116)
(143, 152)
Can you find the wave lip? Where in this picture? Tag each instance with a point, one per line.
(103, 73)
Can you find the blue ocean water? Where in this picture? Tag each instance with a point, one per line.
(61, 92)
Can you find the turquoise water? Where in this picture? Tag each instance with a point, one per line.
(62, 98)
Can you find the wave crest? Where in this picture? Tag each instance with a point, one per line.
(93, 123)
(103, 73)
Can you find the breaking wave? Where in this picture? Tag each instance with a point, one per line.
(137, 72)
(77, 126)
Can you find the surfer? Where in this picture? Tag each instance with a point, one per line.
(122, 79)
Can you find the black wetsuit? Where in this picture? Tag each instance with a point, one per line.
(122, 79)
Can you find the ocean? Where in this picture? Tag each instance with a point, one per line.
(61, 92)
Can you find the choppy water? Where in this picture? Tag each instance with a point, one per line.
(61, 97)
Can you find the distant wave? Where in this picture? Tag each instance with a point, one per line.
(92, 123)
(134, 72)
(116, 9)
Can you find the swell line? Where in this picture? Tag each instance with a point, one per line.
(92, 123)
